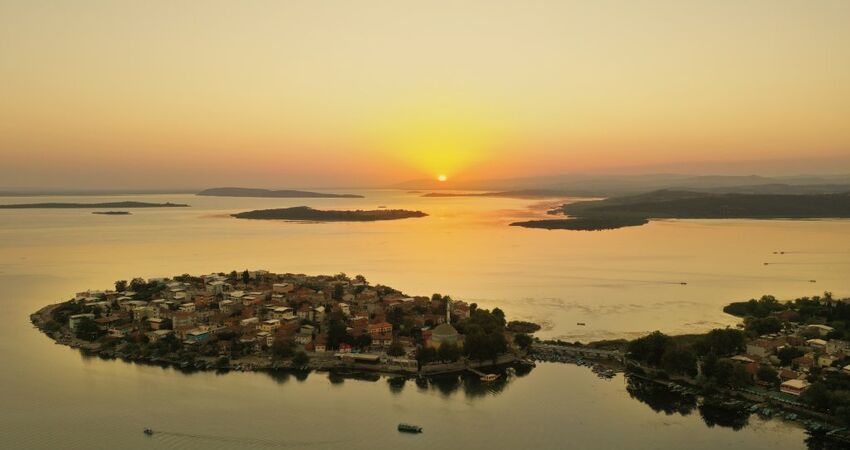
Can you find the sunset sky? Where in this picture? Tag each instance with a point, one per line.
(365, 93)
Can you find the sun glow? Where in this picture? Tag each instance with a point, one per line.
(442, 178)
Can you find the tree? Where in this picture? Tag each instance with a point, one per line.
(246, 277)
(121, 285)
(300, 359)
(338, 292)
(523, 341)
(767, 374)
(282, 348)
(759, 326)
(448, 352)
(787, 353)
(679, 361)
(818, 396)
(87, 329)
(396, 349)
(721, 342)
(650, 348)
(137, 284)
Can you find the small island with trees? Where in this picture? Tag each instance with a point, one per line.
(258, 320)
(305, 213)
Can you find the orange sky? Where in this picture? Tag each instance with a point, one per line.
(342, 93)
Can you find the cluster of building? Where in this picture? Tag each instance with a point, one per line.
(265, 307)
(810, 340)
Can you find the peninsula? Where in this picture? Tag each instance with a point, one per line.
(257, 320)
(92, 205)
(267, 193)
(304, 213)
(112, 213)
(618, 212)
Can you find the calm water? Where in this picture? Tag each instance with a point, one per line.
(621, 283)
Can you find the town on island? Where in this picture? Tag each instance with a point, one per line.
(786, 359)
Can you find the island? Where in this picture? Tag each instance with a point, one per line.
(268, 193)
(113, 213)
(304, 213)
(788, 359)
(583, 223)
(258, 320)
(92, 205)
(618, 212)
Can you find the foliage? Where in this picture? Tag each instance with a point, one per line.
(282, 348)
(768, 374)
(396, 349)
(520, 326)
(300, 359)
(721, 342)
(523, 341)
(754, 308)
(649, 349)
(448, 352)
(679, 361)
(758, 326)
(87, 329)
(484, 334)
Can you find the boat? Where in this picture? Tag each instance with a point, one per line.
(490, 377)
(148, 431)
(407, 428)
(580, 324)
(813, 281)
(684, 283)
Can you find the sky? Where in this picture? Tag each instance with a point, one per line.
(313, 93)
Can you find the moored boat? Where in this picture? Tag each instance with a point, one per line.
(408, 428)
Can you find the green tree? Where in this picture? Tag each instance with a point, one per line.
(523, 341)
(448, 352)
(300, 359)
(787, 353)
(121, 285)
(396, 349)
(246, 277)
(649, 349)
(282, 348)
(87, 329)
(679, 361)
(767, 374)
(817, 396)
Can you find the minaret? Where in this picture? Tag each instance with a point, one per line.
(448, 310)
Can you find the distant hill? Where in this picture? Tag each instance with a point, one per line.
(618, 212)
(700, 205)
(252, 192)
(576, 185)
(524, 193)
(92, 205)
(309, 214)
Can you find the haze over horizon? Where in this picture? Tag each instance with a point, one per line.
(368, 94)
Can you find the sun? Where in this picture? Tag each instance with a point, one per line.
(442, 178)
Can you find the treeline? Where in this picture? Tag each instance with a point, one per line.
(679, 355)
(767, 314)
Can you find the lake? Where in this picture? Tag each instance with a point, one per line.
(620, 283)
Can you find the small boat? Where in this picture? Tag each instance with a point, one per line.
(490, 377)
(813, 281)
(580, 324)
(684, 283)
(148, 431)
(407, 428)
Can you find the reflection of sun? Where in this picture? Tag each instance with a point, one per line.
(442, 178)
